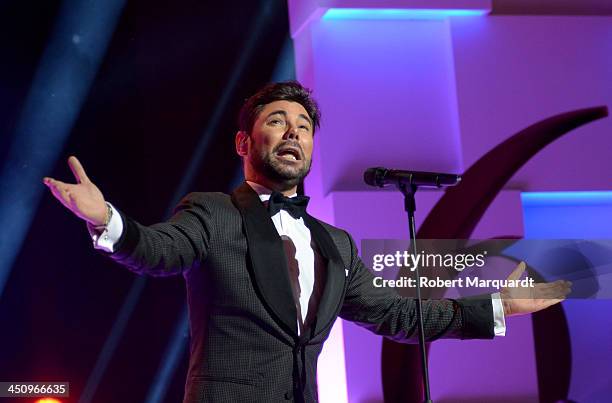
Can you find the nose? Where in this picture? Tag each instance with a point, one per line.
(292, 133)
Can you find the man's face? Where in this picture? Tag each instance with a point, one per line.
(281, 142)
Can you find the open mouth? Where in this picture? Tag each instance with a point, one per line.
(289, 154)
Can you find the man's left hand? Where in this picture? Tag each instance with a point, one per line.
(524, 300)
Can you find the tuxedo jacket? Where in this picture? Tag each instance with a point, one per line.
(244, 344)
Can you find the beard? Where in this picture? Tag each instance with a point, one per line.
(275, 169)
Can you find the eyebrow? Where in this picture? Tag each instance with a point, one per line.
(284, 113)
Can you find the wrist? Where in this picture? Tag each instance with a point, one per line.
(506, 306)
(107, 217)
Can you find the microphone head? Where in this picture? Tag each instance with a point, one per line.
(375, 176)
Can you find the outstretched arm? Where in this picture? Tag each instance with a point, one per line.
(384, 312)
(161, 249)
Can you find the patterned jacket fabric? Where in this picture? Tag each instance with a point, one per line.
(244, 345)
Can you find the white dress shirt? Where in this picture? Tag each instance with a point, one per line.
(308, 260)
(306, 255)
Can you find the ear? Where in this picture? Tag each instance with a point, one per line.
(242, 143)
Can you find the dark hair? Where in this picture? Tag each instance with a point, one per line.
(283, 91)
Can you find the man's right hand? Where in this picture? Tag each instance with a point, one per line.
(84, 198)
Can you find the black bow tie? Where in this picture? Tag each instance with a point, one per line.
(296, 206)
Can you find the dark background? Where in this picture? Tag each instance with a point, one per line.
(166, 68)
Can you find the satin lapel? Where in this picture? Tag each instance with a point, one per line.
(267, 257)
(336, 276)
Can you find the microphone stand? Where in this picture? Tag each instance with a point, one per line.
(410, 206)
(408, 182)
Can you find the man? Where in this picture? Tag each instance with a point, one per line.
(265, 280)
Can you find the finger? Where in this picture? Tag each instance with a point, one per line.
(551, 294)
(559, 285)
(548, 302)
(547, 286)
(518, 272)
(558, 291)
(59, 189)
(554, 284)
(77, 170)
(50, 182)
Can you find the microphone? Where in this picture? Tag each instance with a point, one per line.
(382, 176)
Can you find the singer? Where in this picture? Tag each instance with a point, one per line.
(265, 280)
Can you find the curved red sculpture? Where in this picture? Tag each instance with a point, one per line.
(454, 217)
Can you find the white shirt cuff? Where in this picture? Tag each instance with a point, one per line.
(110, 236)
(499, 320)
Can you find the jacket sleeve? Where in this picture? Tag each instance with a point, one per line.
(170, 247)
(384, 312)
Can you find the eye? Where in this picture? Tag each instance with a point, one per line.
(276, 122)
